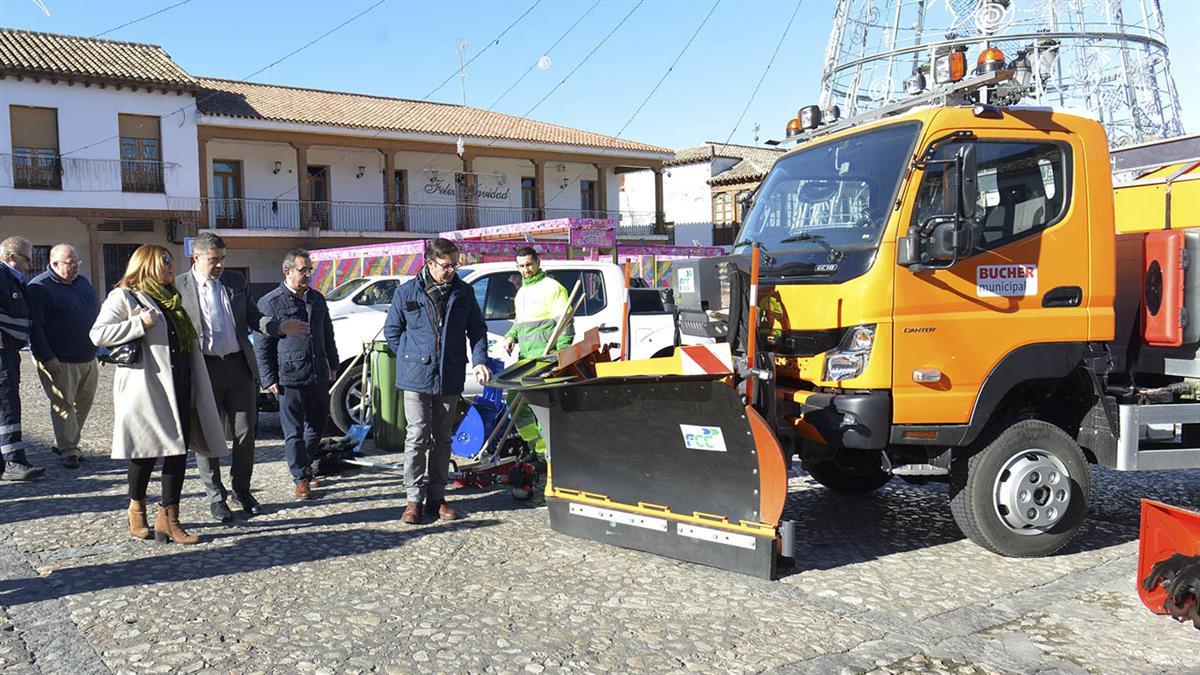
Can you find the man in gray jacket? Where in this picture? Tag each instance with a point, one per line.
(220, 307)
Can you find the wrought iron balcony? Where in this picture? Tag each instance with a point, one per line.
(79, 174)
(295, 215)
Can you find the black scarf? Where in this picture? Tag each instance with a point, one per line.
(438, 293)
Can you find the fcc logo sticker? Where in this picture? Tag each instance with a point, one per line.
(703, 438)
(993, 281)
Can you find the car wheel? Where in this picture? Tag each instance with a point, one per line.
(1024, 493)
(346, 401)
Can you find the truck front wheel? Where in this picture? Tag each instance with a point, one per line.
(864, 474)
(1024, 493)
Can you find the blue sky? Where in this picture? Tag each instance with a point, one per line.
(406, 49)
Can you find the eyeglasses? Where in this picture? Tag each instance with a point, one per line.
(68, 263)
(167, 260)
(306, 271)
(445, 266)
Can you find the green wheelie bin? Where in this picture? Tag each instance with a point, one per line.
(387, 404)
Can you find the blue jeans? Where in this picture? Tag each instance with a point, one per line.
(303, 412)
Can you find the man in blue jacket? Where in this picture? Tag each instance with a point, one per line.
(64, 308)
(298, 368)
(431, 319)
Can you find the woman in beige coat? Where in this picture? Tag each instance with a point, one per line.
(163, 398)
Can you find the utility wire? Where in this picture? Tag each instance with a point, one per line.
(274, 63)
(546, 52)
(328, 169)
(142, 18)
(765, 71)
(495, 41)
(650, 95)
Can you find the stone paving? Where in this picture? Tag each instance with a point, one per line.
(885, 584)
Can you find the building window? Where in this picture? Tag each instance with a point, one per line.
(723, 209)
(227, 206)
(318, 195)
(36, 164)
(41, 259)
(141, 153)
(400, 184)
(587, 196)
(529, 198)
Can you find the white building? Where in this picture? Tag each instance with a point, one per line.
(98, 149)
(286, 166)
(699, 189)
(112, 145)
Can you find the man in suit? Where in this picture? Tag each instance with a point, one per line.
(299, 369)
(220, 307)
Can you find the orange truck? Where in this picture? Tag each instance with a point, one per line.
(951, 289)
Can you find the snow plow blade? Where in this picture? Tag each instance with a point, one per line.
(674, 465)
(1165, 531)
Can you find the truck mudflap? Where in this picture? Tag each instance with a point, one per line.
(674, 465)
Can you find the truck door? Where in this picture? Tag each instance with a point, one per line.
(1026, 283)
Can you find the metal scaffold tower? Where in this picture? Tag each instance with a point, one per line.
(1108, 57)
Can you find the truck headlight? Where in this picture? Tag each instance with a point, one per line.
(849, 360)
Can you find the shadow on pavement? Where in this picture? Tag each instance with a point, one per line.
(249, 554)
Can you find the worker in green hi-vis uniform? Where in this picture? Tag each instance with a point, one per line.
(540, 302)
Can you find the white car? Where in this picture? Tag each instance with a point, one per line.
(358, 309)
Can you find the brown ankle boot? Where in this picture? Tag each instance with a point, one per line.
(167, 527)
(412, 514)
(138, 527)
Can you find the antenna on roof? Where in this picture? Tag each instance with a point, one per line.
(462, 68)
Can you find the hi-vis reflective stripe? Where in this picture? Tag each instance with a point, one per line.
(10, 428)
(714, 359)
(716, 536)
(619, 517)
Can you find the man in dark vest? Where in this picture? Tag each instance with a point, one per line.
(16, 323)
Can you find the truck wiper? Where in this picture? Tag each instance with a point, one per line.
(819, 239)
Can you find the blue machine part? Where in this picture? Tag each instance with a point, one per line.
(473, 431)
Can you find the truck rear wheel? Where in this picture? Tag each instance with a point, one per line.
(1025, 493)
(849, 477)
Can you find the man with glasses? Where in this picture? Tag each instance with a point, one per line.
(64, 308)
(218, 302)
(432, 318)
(16, 323)
(298, 369)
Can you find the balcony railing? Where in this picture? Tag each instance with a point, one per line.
(139, 175)
(36, 172)
(23, 171)
(291, 214)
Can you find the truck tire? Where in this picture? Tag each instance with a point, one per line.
(344, 401)
(847, 478)
(1024, 493)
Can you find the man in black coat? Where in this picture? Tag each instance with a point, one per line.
(299, 369)
(223, 314)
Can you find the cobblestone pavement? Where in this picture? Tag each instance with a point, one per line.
(885, 584)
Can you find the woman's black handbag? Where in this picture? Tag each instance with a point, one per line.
(126, 355)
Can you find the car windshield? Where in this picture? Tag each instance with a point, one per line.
(345, 290)
(836, 195)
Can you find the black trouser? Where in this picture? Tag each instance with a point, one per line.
(302, 414)
(237, 404)
(10, 402)
(173, 470)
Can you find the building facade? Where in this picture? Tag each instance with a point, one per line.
(97, 148)
(701, 189)
(110, 145)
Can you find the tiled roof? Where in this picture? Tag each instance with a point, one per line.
(710, 150)
(312, 106)
(67, 56)
(745, 171)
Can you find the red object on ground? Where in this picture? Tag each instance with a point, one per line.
(1165, 530)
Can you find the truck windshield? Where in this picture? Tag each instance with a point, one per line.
(835, 196)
